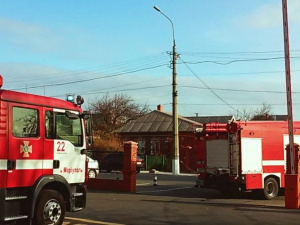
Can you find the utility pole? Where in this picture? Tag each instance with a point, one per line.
(175, 161)
(288, 85)
(291, 178)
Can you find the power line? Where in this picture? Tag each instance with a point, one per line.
(126, 64)
(239, 90)
(131, 89)
(152, 67)
(109, 88)
(209, 87)
(212, 104)
(135, 63)
(232, 53)
(91, 79)
(247, 73)
(238, 60)
(132, 71)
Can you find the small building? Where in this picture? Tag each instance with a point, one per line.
(154, 134)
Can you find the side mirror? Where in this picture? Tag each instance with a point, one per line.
(87, 116)
(83, 151)
(90, 140)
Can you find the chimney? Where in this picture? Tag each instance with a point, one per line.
(160, 108)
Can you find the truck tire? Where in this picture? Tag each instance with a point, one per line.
(50, 208)
(92, 174)
(270, 189)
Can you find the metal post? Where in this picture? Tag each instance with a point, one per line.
(175, 161)
(288, 84)
(176, 166)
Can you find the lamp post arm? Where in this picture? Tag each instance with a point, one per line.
(173, 30)
(171, 24)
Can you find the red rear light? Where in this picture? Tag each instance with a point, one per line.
(202, 176)
(1, 81)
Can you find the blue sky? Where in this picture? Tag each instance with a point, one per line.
(230, 52)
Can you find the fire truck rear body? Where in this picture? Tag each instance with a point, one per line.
(246, 155)
(40, 149)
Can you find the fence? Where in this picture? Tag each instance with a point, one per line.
(160, 163)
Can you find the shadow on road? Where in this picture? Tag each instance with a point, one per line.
(181, 186)
(246, 206)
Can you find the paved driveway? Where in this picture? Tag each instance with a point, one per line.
(176, 201)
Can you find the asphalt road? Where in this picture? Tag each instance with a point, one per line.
(175, 200)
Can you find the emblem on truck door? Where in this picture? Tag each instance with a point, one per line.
(26, 149)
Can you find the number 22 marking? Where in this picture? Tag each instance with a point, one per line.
(61, 146)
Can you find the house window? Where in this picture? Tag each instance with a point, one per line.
(141, 146)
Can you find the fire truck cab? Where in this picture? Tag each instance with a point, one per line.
(43, 168)
(246, 156)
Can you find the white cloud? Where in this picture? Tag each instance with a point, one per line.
(29, 36)
(270, 15)
(20, 75)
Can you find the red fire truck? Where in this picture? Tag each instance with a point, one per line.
(43, 166)
(245, 156)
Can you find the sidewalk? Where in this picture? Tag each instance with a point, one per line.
(168, 173)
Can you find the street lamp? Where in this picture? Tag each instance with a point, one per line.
(175, 161)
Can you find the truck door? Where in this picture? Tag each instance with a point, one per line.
(3, 142)
(68, 142)
(25, 155)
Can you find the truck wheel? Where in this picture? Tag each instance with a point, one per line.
(50, 208)
(271, 188)
(92, 174)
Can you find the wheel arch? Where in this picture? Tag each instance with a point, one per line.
(271, 191)
(275, 176)
(53, 182)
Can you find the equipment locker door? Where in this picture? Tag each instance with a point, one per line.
(217, 153)
(25, 155)
(251, 154)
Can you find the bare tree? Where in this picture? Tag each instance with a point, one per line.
(261, 113)
(244, 114)
(113, 112)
